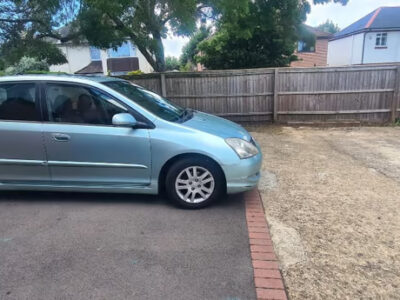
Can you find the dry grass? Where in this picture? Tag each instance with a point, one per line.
(334, 209)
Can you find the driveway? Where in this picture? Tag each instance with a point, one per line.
(102, 246)
(332, 199)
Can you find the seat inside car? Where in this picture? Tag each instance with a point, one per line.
(63, 110)
(88, 110)
(19, 106)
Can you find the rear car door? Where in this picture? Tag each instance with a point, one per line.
(83, 147)
(22, 153)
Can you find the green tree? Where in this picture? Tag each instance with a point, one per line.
(27, 64)
(171, 63)
(190, 50)
(108, 23)
(264, 35)
(26, 26)
(146, 22)
(329, 26)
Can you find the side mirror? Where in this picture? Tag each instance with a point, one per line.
(124, 120)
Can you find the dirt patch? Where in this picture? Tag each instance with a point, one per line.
(334, 209)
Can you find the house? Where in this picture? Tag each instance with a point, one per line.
(313, 55)
(374, 39)
(85, 59)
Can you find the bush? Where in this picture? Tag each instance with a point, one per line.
(27, 64)
(171, 63)
(44, 72)
(137, 72)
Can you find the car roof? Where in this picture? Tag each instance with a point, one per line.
(60, 77)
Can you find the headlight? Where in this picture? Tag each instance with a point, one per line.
(244, 149)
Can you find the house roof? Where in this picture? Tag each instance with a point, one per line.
(383, 18)
(318, 33)
(95, 67)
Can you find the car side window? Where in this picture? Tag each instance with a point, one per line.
(68, 103)
(18, 102)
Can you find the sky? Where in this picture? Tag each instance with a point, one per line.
(341, 15)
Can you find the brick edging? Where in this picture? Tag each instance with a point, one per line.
(267, 277)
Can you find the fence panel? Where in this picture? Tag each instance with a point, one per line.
(365, 94)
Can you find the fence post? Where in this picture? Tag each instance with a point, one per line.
(396, 95)
(163, 86)
(276, 94)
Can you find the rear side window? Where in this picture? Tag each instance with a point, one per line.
(17, 102)
(68, 103)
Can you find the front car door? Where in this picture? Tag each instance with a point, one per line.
(83, 147)
(22, 153)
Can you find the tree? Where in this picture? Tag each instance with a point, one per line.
(108, 23)
(26, 64)
(329, 26)
(171, 63)
(26, 26)
(264, 35)
(190, 50)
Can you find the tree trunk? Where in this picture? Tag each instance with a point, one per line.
(160, 59)
(157, 61)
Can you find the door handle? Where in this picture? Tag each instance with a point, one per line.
(60, 137)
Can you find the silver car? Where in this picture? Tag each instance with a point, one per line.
(69, 133)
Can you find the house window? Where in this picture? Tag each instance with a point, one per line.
(381, 40)
(94, 53)
(305, 47)
(125, 50)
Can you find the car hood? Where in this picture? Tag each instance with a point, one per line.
(217, 126)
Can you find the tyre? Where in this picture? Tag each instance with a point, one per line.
(194, 182)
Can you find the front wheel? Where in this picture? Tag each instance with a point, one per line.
(194, 182)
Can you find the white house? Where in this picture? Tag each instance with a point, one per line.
(85, 59)
(373, 39)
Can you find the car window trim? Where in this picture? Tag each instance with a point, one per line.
(37, 101)
(45, 117)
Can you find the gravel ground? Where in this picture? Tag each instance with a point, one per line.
(332, 198)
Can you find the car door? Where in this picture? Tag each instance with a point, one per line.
(83, 147)
(22, 153)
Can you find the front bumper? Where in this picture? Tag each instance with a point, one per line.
(244, 175)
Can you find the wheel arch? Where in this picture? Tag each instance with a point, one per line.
(164, 170)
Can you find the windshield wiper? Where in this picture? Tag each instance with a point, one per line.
(186, 115)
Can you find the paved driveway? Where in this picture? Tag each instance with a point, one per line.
(102, 246)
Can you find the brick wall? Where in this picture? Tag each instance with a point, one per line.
(313, 59)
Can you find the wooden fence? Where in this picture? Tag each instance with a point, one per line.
(365, 94)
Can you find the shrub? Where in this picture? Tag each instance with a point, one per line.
(44, 72)
(137, 72)
(27, 64)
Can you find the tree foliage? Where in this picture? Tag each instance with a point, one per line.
(171, 63)
(27, 64)
(108, 23)
(25, 26)
(264, 36)
(190, 50)
(329, 26)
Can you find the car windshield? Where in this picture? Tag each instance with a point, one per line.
(150, 101)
